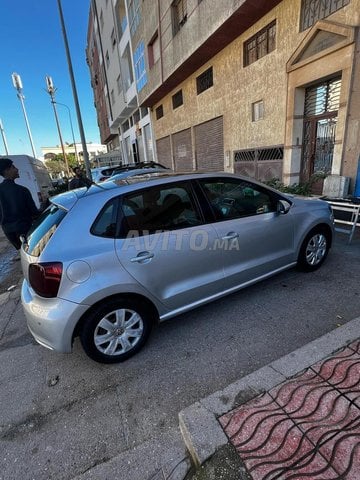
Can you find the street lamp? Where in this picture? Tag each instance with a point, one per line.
(51, 91)
(72, 130)
(18, 85)
(4, 138)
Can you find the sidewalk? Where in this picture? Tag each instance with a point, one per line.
(298, 417)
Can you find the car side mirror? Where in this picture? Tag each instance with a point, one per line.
(283, 207)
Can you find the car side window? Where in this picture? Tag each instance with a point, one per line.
(160, 208)
(232, 198)
(105, 222)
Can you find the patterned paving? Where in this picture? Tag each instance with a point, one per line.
(305, 428)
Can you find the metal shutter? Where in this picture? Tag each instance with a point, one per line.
(163, 148)
(209, 145)
(182, 150)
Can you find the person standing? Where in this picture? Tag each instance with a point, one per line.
(79, 180)
(17, 207)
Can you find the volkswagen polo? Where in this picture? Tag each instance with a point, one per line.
(108, 262)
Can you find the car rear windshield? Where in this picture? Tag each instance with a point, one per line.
(43, 229)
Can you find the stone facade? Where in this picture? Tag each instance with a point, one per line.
(278, 80)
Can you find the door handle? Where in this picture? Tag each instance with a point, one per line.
(142, 257)
(231, 236)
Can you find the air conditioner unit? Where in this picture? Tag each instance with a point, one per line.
(336, 186)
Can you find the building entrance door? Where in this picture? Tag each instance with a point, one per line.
(320, 119)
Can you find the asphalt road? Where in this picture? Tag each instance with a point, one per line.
(62, 415)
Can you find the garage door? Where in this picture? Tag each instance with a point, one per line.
(260, 163)
(163, 149)
(209, 145)
(182, 150)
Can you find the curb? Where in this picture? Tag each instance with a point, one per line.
(201, 431)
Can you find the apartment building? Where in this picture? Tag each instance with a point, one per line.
(124, 126)
(268, 88)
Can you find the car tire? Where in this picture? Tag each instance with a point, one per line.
(314, 249)
(115, 330)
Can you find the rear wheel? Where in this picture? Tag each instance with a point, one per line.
(115, 330)
(314, 250)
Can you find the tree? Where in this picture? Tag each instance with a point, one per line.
(57, 165)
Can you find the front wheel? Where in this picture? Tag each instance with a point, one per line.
(314, 250)
(115, 330)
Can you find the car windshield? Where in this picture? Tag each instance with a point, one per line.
(43, 229)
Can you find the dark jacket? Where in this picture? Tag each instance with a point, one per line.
(17, 207)
(77, 182)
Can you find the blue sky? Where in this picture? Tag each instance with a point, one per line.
(32, 45)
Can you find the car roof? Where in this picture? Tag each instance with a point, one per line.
(68, 199)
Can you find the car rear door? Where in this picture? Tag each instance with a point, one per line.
(167, 247)
(254, 238)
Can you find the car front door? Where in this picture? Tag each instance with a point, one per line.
(255, 239)
(167, 247)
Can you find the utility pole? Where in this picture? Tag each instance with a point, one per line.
(75, 95)
(18, 85)
(4, 138)
(51, 91)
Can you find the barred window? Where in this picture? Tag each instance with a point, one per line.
(204, 81)
(177, 99)
(260, 44)
(314, 10)
(178, 14)
(159, 112)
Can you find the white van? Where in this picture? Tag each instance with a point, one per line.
(34, 176)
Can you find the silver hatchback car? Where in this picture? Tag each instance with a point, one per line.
(108, 262)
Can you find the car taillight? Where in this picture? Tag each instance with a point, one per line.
(45, 278)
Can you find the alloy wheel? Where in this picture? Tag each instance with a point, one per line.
(118, 332)
(316, 249)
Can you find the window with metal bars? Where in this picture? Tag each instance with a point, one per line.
(314, 10)
(260, 44)
(204, 81)
(322, 98)
(259, 154)
(178, 14)
(177, 99)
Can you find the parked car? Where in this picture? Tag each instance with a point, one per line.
(131, 173)
(108, 262)
(99, 174)
(136, 166)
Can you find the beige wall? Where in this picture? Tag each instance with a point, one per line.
(237, 87)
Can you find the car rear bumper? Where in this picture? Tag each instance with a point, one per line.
(51, 321)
